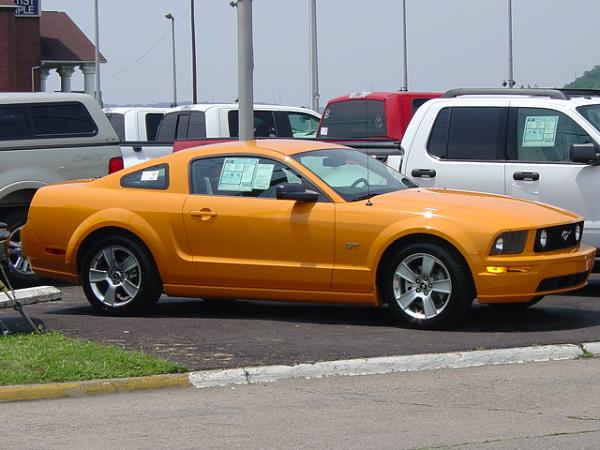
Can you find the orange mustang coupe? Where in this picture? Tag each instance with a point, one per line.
(299, 221)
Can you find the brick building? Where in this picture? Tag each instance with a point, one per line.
(34, 42)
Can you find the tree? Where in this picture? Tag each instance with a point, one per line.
(589, 80)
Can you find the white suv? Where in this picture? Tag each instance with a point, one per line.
(538, 144)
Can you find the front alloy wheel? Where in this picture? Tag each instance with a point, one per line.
(427, 285)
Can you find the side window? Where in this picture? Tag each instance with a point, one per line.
(354, 119)
(152, 122)
(477, 133)
(418, 102)
(197, 126)
(61, 119)
(303, 125)
(14, 123)
(166, 130)
(242, 176)
(118, 123)
(155, 177)
(264, 124)
(438, 139)
(546, 135)
(182, 126)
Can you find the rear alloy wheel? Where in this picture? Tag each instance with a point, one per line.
(119, 277)
(426, 286)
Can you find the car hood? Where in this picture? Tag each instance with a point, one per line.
(499, 210)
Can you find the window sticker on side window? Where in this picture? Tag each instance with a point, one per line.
(237, 174)
(540, 131)
(263, 175)
(149, 175)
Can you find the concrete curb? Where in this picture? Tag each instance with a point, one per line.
(264, 374)
(390, 364)
(94, 387)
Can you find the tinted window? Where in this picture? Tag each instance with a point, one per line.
(264, 124)
(14, 122)
(166, 129)
(354, 119)
(182, 126)
(152, 122)
(242, 176)
(438, 140)
(155, 177)
(61, 119)
(197, 126)
(418, 102)
(546, 135)
(118, 123)
(477, 133)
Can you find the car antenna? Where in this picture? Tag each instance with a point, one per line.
(369, 202)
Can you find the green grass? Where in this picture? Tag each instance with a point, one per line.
(52, 357)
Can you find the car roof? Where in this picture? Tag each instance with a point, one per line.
(234, 106)
(382, 95)
(282, 146)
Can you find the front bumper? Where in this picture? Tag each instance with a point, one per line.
(533, 275)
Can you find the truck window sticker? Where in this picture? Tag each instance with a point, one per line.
(237, 174)
(540, 131)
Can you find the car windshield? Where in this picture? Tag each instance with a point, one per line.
(352, 174)
(592, 114)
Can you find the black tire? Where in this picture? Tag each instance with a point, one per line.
(17, 267)
(130, 284)
(516, 306)
(441, 290)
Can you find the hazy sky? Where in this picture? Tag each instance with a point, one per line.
(451, 43)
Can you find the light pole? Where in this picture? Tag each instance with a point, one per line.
(313, 62)
(97, 53)
(172, 19)
(405, 59)
(510, 81)
(194, 82)
(245, 69)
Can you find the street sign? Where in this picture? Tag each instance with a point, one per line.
(28, 8)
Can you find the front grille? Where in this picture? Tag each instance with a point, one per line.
(562, 236)
(564, 281)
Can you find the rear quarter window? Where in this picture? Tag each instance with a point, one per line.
(154, 177)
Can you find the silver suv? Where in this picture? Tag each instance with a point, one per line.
(44, 139)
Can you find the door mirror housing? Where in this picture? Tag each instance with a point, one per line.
(295, 191)
(585, 153)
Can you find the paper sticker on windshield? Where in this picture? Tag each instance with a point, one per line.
(237, 174)
(263, 175)
(149, 175)
(540, 131)
(324, 131)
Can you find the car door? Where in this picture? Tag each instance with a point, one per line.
(466, 148)
(243, 236)
(540, 168)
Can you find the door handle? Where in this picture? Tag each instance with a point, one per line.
(526, 176)
(204, 213)
(423, 173)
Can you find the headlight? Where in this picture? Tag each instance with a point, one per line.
(543, 239)
(509, 242)
(578, 230)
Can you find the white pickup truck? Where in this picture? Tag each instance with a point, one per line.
(135, 124)
(44, 139)
(536, 144)
(192, 125)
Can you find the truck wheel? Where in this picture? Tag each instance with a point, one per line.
(427, 286)
(17, 265)
(119, 276)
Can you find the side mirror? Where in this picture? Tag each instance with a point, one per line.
(295, 191)
(585, 153)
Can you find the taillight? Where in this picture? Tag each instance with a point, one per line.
(115, 164)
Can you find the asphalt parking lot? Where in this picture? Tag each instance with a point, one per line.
(226, 334)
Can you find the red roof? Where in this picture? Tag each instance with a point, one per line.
(62, 40)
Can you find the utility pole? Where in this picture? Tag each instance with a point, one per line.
(313, 62)
(194, 70)
(245, 69)
(97, 53)
(511, 81)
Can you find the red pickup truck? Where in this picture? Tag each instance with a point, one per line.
(381, 116)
